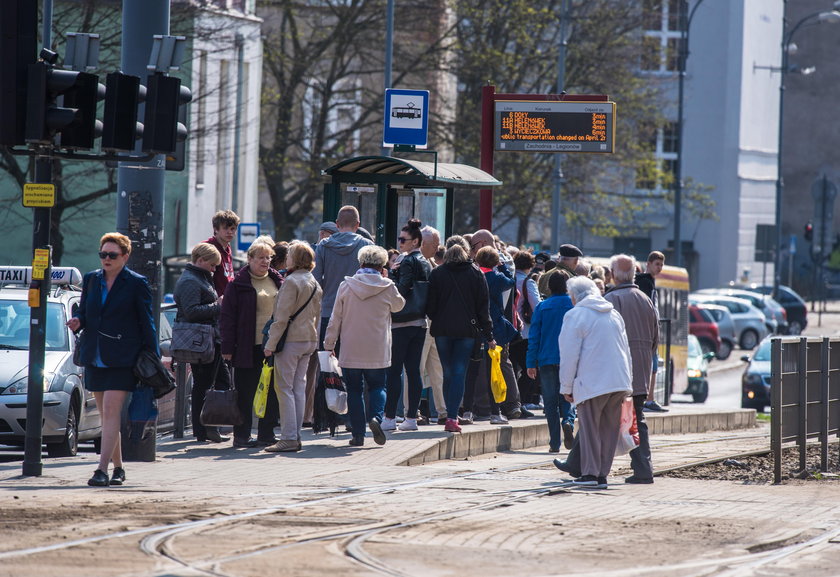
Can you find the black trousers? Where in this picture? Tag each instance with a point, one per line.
(204, 375)
(246, 381)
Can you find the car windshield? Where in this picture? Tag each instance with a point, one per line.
(694, 349)
(763, 352)
(14, 326)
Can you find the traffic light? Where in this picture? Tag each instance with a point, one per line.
(44, 118)
(177, 159)
(18, 46)
(809, 231)
(85, 95)
(161, 129)
(123, 94)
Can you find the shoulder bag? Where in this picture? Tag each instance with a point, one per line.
(282, 342)
(415, 302)
(193, 342)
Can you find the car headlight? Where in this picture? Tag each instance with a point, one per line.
(694, 373)
(752, 379)
(21, 386)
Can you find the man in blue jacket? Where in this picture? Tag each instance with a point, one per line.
(544, 353)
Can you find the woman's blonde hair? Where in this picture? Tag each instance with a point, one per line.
(206, 251)
(303, 257)
(117, 238)
(259, 249)
(457, 249)
(373, 256)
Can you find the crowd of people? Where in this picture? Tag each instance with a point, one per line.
(411, 329)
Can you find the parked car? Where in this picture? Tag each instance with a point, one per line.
(774, 313)
(755, 382)
(697, 364)
(794, 305)
(702, 325)
(726, 328)
(749, 321)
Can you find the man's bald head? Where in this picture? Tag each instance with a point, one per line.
(623, 268)
(480, 239)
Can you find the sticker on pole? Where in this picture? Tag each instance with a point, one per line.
(406, 118)
(38, 195)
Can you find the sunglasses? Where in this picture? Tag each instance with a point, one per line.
(112, 255)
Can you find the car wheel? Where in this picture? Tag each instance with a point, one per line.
(69, 445)
(749, 339)
(794, 328)
(702, 395)
(724, 351)
(707, 346)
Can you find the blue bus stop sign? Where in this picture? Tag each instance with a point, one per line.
(247, 233)
(406, 118)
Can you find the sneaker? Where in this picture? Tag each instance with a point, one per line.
(654, 407)
(423, 420)
(99, 479)
(388, 424)
(284, 446)
(498, 420)
(399, 419)
(244, 443)
(378, 434)
(466, 419)
(586, 481)
(118, 476)
(408, 425)
(515, 414)
(568, 435)
(602, 483)
(525, 413)
(452, 426)
(564, 466)
(634, 480)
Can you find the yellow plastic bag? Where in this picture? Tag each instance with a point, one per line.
(497, 379)
(261, 396)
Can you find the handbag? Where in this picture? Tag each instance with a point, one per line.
(282, 342)
(628, 432)
(220, 406)
(150, 371)
(415, 303)
(330, 379)
(193, 342)
(77, 348)
(261, 396)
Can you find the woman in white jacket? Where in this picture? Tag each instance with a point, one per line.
(596, 375)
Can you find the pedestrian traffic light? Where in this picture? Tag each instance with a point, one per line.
(86, 93)
(161, 129)
(123, 94)
(44, 118)
(18, 46)
(809, 231)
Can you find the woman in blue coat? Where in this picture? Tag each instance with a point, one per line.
(115, 312)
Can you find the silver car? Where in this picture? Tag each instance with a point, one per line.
(773, 311)
(749, 321)
(726, 328)
(70, 414)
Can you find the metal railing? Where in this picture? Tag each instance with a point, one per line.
(804, 396)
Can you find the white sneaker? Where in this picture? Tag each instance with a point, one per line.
(467, 419)
(408, 425)
(388, 424)
(498, 420)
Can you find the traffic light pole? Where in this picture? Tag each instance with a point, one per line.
(32, 464)
(140, 188)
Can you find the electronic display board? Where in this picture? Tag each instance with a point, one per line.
(554, 126)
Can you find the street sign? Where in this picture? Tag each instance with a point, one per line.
(765, 243)
(406, 118)
(554, 126)
(247, 233)
(37, 195)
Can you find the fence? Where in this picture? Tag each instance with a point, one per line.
(805, 396)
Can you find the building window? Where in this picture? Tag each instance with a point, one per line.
(661, 39)
(670, 137)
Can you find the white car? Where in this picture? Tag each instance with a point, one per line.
(70, 414)
(750, 322)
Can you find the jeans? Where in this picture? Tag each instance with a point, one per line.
(454, 355)
(356, 411)
(406, 350)
(557, 409)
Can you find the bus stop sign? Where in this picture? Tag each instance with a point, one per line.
(406, 118)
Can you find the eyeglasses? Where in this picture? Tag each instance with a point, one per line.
(402, 240)
(112, 255)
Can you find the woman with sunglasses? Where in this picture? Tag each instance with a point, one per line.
(115, 311)
(408, 329)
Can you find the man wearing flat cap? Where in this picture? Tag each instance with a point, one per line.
(326, 230)
(569, 255)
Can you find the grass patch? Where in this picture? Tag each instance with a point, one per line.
(762, 417)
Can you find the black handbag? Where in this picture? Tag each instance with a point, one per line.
(150, 371)
(220, 406)
(77, 348)
(415, 303)
(282, 342)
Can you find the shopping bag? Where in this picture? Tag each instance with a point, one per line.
(261, 396)
(335, 392)
(628, 433)
(497, 379)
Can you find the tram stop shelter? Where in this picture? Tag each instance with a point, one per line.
(388, 191)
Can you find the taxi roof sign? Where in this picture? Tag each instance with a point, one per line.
(22, 275)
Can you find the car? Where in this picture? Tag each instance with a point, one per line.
(697, 364)
(70, 414)
(726, 328)
(702, 325)
(773, 311)
(794, 305)
(755, 381)
(749, 321)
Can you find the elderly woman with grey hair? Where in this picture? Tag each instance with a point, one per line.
(361, 320)
(595, 374)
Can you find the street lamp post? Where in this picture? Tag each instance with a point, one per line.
(831, 17)
(681, 62)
